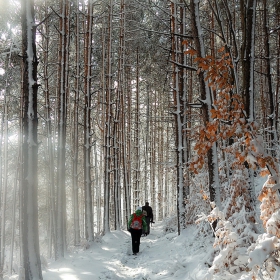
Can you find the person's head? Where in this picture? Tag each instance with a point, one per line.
(147, 204)
(139, 208)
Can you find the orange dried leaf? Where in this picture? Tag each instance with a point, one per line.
(190, 52)
(264, 172)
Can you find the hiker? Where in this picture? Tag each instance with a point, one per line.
(136, 223)
(148, 212)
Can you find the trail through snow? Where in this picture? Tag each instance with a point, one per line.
(161, 256)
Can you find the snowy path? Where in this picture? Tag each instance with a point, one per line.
(160, 257)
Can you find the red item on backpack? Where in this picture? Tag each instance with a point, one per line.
(136, 222)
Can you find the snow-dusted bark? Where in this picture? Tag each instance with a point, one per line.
(117, 134)
(248, 66)
(178, 94)
(29, 184)
(271, 113)
(180, 159)
(137, 134)
(248, 57)
(147, 144)
(108, 120)
(125, 140)
(136, 156)
(153, 167)
(160, 153)
(97, 188)
(230, 42)
(206, 99)
(126, 177)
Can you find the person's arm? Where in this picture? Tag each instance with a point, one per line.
(144, 223)
(152, 216)
(129, 222)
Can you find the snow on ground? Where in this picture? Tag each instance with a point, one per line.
(161, 256)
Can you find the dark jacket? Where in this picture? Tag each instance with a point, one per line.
(149, 211)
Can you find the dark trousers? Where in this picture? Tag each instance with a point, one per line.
(148, 221)
(135, 236)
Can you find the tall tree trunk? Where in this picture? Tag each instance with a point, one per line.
(4, 172)
(75, 189)
(178, 113)
(137, 130)
(277, 82)
(206, 99)
(125, 150)
(29, 184)
(13, 230)
(108, 120)
(160, 161)
(50, 137)
(87, 128)
(249, 59)
(62, 119)
(271, 113)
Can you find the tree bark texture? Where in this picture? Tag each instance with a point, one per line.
(29, 184)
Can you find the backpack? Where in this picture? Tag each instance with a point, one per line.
(136, 222)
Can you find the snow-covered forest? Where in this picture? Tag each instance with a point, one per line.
(107, 104)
